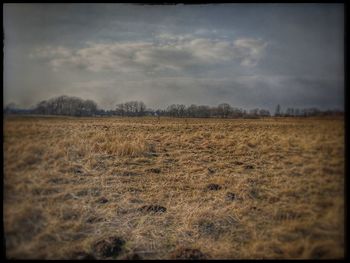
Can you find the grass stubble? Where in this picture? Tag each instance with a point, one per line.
(143, 188)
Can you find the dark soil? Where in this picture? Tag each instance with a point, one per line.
(214, 187)
(211, 170)
(94, 219)
(254, 193)
(208, 228)
(249, 167)
(153, 208)
(128, 174)
(76, 170)
(103, 200)
(230, 196)
(109, 247)
(319, 252)
(154, 170)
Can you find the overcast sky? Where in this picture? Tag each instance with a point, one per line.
(247, 55)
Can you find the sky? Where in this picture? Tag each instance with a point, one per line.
(247, 55)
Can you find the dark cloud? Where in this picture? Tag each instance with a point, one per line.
(248, 55)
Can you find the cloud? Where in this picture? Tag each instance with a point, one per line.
(166, 52)
(250, 50)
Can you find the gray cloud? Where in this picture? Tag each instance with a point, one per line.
(167, 52)
(248, 55)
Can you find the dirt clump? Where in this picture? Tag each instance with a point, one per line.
(230, 196)
(126, 173)
(210, 229)
(102, 200)
(211, 170)
(320, 252)
(249, 166)
(109, 247)
(94, 219)
(154, 170)
(214, 187)
(153, 208)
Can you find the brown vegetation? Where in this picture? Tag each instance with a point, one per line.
(148, 188)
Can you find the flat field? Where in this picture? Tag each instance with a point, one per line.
(127, 188)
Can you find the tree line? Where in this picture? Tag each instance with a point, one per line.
(305, 112)
(64, 105)
(74, 106)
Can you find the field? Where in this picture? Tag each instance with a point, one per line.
(128, 188)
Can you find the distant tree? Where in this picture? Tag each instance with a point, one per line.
(192, 111)
(64, 105)
(141, 108)
(90, 107)
(10, 108)
(171, 110)
(181, 110)
(224, 110)
(131, 108)
(237, 113)
(290, 112)
(120, 110)
(42, 107)
(278, 110)
(264, 113)
(203, 111)
(254, 112)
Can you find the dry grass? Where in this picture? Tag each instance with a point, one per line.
(71, 184)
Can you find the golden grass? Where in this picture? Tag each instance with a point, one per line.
(71, 182)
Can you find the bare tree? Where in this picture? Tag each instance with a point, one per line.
(224, 110)
(278, 110)
(131, 108)
(64, 105)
